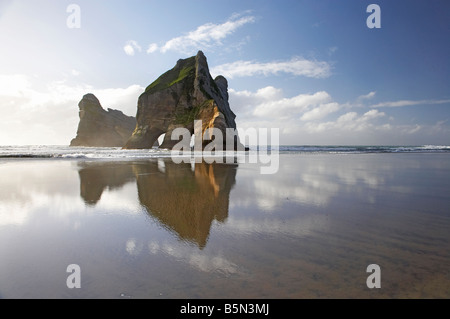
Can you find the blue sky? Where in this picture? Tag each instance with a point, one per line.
(311, 68)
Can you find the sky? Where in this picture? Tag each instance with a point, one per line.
(312, 68)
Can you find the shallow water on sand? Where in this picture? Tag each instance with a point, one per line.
(155, 229)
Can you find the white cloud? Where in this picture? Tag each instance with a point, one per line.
(153, 47)
(291, 106)
(316, 118)
(131, 47)
(347, 117)
(37, 114)
(350, 122)
(402, 103)
(34, 113)
(14, 85)
(205, 36)
(267, 93)
(246, 101)
(124, 99)
(320, 112)
(368, 96)
(269, 102)
(297, 66)
(372, 114)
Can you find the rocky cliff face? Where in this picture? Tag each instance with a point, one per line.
(177, 98)
(100, 128)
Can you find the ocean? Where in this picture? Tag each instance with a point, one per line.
(330, 222)
(46, 151)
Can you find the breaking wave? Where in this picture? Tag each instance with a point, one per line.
(66, 152)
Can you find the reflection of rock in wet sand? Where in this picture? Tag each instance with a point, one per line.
(185, 200)
(96, 177)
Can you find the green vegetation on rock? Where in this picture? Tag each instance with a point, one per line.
(188, 116)
(184, 68)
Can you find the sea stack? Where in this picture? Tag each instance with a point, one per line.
(100, 128)
(177, 98)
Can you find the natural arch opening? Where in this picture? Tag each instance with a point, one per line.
(192, 143)
(160, 139)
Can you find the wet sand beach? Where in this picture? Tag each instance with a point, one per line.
(155, 229)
